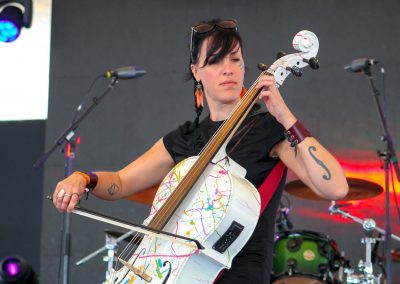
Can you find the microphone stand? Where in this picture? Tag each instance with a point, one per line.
(66, 218)
(68, 136)
(389, 156)
(69, 132)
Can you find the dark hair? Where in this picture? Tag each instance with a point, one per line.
(222, 42)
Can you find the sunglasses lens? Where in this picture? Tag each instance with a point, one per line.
(227, 24)
(203, 28)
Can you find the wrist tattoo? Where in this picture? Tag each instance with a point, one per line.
(114, 189)
(320, 163)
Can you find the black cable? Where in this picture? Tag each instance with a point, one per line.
(84, 99)
(374, 252)
(384, 88)
(390, 164)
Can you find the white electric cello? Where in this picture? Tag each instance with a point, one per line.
(205, 206)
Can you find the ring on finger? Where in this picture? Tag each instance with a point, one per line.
(61, 193)
(67, 195)
(77, 194)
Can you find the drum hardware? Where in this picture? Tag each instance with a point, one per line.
(358, 189)
(112, 240)
(341, 264)
(303, 257)
(335, 208)
(112, 247)
(365, 267)
(283, 222)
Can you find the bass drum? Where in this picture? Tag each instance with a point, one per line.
(305, 257)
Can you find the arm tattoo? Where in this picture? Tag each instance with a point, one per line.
(114, 189)
(319, 162)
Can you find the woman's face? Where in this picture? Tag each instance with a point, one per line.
(222, 81)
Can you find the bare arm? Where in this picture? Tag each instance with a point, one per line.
(146, 171)
(313, 164)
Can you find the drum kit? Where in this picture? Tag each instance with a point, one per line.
(304, 256)
(308, 257)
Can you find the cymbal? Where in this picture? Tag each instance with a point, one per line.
(358, 189)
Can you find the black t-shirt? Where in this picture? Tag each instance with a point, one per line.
(250, 148)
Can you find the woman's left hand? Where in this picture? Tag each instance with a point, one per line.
(274, 101)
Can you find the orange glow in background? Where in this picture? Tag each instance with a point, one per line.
(375, 207)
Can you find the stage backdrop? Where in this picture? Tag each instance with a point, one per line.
(21, 143)
(93, 36)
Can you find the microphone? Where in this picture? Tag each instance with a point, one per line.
(359, 65)
(129, 72)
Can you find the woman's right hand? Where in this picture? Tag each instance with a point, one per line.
(146, 171)
(68, 192)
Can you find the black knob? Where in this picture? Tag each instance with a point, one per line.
(280, 54)
(313, 62)
(295, 71)
(262, 66)
(294, 244)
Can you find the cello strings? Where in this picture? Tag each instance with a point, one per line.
(248, 100)
(178, 193)
(128, 250)
(246, 97)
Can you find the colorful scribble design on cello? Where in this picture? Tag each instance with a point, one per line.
(197, 218)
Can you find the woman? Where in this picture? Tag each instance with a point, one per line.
(217, 67)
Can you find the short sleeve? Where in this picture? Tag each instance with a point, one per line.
(179, 142)
(275, 132)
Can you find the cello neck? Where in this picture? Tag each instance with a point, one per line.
(307, 44)
(221, 136)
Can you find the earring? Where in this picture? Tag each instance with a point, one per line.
(199, 97)
(243, 92)
(198, 100)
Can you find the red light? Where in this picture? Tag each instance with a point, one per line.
(68, 151)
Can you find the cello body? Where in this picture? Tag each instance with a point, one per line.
(204, 201)
(220, 198)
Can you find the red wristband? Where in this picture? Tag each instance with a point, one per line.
(93, 180)
(297, 133)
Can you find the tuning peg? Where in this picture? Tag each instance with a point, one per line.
(295, 71)
(280, 54)
(313, 62)
(262, 66)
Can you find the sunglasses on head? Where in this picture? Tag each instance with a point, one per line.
(208, 27)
